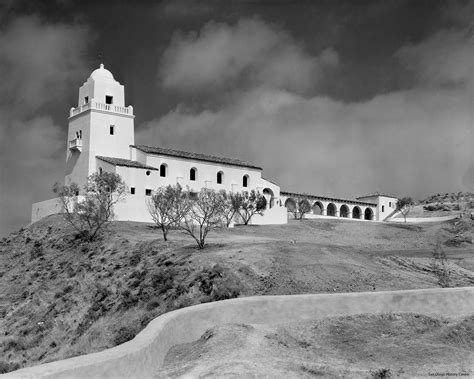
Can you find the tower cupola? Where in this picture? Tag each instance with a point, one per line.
(101, 87)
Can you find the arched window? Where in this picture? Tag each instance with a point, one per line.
(192, 174)
(163, 169)
(220, 177)
(245, 181)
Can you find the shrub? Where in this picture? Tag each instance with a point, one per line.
(8, 366)
(440, 267)
(123, 335)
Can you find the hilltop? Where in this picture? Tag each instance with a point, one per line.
(61, 296)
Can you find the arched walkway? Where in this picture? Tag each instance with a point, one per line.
(332, 209)
(318, 208)
(356, 212)
(368, 214)
(344, 211)
(269, 197)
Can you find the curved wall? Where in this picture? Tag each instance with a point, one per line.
(142, 356)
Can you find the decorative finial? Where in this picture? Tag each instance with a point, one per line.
(101, 65)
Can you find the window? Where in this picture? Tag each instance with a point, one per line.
(163, 170)
(132, 190)
(220, 176)
(193, 195)
(245, 181)
(389, 204)
(147, 192)
(111, 130)
(148, 173)
(80, 134)
(100, 170)
(192, 174)
(86, 99)
(109, 99)
(383, 208)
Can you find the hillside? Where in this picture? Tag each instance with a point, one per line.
(61, 297)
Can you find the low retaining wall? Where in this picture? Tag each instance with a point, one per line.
(142, 357)
(424, 219)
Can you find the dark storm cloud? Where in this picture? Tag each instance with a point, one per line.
(222, 56)
(38, 63)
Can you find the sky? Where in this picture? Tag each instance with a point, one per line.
(331, 97)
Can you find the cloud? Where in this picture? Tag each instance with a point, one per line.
(445, 58)
(38, 64)
(408, 142)
(249, 52)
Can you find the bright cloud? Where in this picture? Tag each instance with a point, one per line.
(413, 142)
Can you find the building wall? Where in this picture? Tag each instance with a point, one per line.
(178, 171)
(134, 207)
(77, 163)
(385, 205)
(105, 144)
(45, 208)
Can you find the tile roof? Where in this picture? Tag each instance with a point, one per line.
(377, 194)
(125, 162)
(195, 156)
(316, 197)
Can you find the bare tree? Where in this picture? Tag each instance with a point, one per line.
(404, 206)
(167, 207)
(252, 203)
(94, 212)
(304, 207)
(204, 212)
(231, 203)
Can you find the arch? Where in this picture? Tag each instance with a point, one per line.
(290, 204)
(193, 174)
(245, 181)
(368, 214)
(344, 211)
(318, 208)
(163, 170)
(356, 212)
(269, 197)
(220, 177)
(331, 209)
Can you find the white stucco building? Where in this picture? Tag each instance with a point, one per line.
(101, 137)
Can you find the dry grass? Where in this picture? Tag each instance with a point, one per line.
(61, 297)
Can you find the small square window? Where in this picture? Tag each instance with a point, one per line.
(111, 130)
(132, 190)
(147, 192)
(109, 99)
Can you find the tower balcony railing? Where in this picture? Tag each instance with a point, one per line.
(102, 107)
(75, 144)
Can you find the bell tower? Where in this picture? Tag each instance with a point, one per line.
(101, 125)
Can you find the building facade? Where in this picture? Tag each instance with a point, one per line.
(101, 137)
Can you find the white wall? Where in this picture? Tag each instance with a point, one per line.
(178, 171)
(45, 208)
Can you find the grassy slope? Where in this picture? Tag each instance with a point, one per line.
(61, 297)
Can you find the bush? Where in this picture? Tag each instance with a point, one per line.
(8, 366)
(123, 335)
